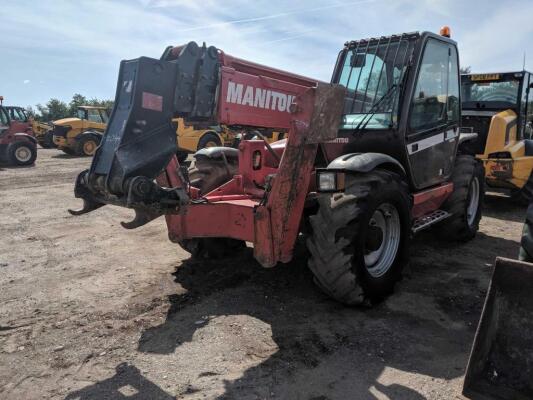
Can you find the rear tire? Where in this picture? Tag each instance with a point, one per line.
(22, 153)
(87, 144)
(359, 239)
(209, 140)
(466, 202)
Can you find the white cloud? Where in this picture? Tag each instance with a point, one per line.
(26, 81)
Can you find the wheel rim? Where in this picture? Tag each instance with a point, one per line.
(211, 143)
(23, 154)
(383, 240)
(89, 147)
(473, 204)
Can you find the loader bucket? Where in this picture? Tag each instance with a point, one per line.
(501, 362)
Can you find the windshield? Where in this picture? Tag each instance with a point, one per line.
(372, 72)
(496, 94)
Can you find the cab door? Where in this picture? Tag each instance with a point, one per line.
(434, 115)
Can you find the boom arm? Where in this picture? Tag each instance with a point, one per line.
(205, 86)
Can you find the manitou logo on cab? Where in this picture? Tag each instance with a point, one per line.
(247, 95)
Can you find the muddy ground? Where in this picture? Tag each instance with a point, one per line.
(89, 310)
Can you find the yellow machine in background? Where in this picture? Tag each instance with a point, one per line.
(44, 134)
(82, 135)
(190, 139)
(499, 108)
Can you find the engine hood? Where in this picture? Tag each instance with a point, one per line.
(66, 121)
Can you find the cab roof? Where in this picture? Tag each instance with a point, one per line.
(394, 38)
(92, 107)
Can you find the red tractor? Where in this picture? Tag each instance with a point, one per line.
(18, 146)
(370, 159)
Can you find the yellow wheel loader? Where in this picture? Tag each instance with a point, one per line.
(191, 139)
(498, 107)
(81, 135)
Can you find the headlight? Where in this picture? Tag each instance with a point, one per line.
(329, 181)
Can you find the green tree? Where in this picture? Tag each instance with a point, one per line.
(31, 112)
(53, 110)
(77, 100)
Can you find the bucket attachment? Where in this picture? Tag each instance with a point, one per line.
(140, 139)
(501, 362)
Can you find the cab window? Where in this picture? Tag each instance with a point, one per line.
(94, 116)
(436, 97)
(3, 118)
(104, 116)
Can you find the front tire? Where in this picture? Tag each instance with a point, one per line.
(181, 156)
(87, 144)
(359, 239)
(466, 202)
(207, 173)
(524, 196)
(47, 141)
(22, 153)
(212, 247)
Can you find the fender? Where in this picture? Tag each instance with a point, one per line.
(467, 137)
(212, 133)
(366, 162)
(96, 133)
(25, 136)
(216, 152)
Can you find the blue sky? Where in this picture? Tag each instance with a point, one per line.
(54, 48)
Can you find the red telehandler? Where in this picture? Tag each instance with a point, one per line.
(18, 145)
(369, 160)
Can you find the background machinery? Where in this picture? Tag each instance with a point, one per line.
(368, 160)
(81, 135)
(191, 140)
(499, 108)
(44, 134)
(18, 146)
(501, 362)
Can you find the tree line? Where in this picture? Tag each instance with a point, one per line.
(55, 109)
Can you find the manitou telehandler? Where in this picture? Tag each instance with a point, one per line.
(18, 146)
(369, 159)
(499, 108)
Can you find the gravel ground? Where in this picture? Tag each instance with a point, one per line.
(89, 310)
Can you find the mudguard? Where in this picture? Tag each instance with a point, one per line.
(25, 136)
(365, 162)
(216, 152)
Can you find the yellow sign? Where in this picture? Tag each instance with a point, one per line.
(485, 77)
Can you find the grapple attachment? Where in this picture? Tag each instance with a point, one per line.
(140, 139)
(501, 362)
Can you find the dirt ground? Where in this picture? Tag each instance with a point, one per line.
(89, 310)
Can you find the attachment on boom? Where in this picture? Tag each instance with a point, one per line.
(140, 139)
